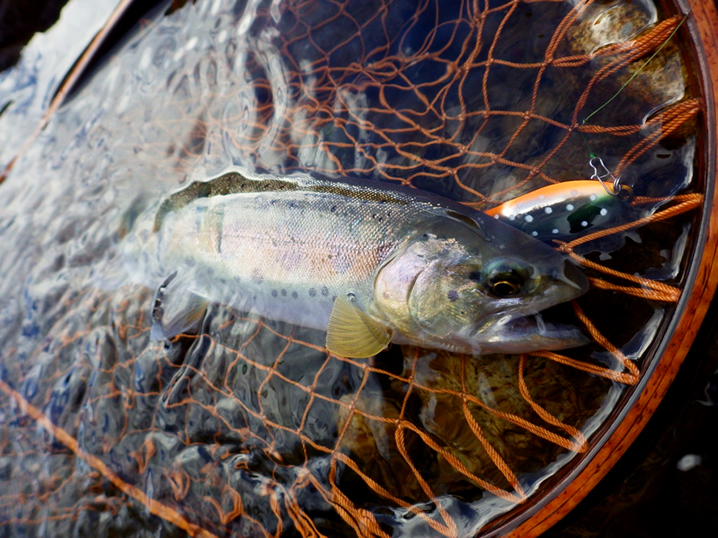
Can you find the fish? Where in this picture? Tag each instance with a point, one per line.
(564, 211)
(370, 265)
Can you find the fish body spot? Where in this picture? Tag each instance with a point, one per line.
(284, 293)
(274, 293)
(312, 292)
(453, 295)
(569, 207)
(325, 291)
(294, 295)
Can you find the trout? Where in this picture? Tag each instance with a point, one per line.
(367, 264)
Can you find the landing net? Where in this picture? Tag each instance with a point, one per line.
(251, 427)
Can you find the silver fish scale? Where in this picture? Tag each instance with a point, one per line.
(283, 251)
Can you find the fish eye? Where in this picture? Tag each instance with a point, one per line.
(504, 287)
(505, 281)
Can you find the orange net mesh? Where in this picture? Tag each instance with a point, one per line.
(252, 427)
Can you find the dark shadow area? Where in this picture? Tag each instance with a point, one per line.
(19, 21)
(667, 482)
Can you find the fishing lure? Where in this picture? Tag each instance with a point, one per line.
(564, 210)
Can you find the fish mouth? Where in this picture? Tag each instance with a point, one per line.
(510, 333)
(576, 280)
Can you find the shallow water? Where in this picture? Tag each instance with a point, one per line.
(27, 88)
(251, 425)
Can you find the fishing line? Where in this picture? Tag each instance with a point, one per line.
(594, 157)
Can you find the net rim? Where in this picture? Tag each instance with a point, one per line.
(543, 511)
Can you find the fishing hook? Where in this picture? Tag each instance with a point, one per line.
(606, 173)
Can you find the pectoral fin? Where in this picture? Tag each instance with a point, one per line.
(353, 334)
(176, 310)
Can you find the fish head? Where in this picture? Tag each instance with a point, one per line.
(478, 291)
